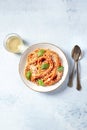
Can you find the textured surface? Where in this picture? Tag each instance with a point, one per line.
(63, 23)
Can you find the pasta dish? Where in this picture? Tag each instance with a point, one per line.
(43, 67)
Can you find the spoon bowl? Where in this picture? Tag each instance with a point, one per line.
(76, 53)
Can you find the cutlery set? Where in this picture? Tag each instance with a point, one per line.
(76, 55)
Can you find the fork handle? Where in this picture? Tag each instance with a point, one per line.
(70, 82)
(78, 87)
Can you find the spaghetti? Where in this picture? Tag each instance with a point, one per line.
(43, 67)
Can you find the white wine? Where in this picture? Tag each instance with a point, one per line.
(13, 43)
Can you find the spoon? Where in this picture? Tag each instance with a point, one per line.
(76, 55)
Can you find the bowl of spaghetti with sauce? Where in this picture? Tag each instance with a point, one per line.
(43, 67)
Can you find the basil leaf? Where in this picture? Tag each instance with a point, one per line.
(41, 52)
(40, 82)
(45, 66)
(28, 75)
(60, 68)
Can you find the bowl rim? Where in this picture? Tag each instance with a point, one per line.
(42, 86)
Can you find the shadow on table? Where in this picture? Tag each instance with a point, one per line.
(26, 43)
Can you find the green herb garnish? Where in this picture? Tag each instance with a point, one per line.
(60, 68)
(45, 66)
(40, 82)
(28, 75)
(41, 52)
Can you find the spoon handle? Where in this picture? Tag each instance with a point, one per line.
(70, 82)
(78, 87)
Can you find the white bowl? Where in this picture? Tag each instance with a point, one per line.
(23, 62)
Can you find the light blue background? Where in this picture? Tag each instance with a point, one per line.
(63, 23)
